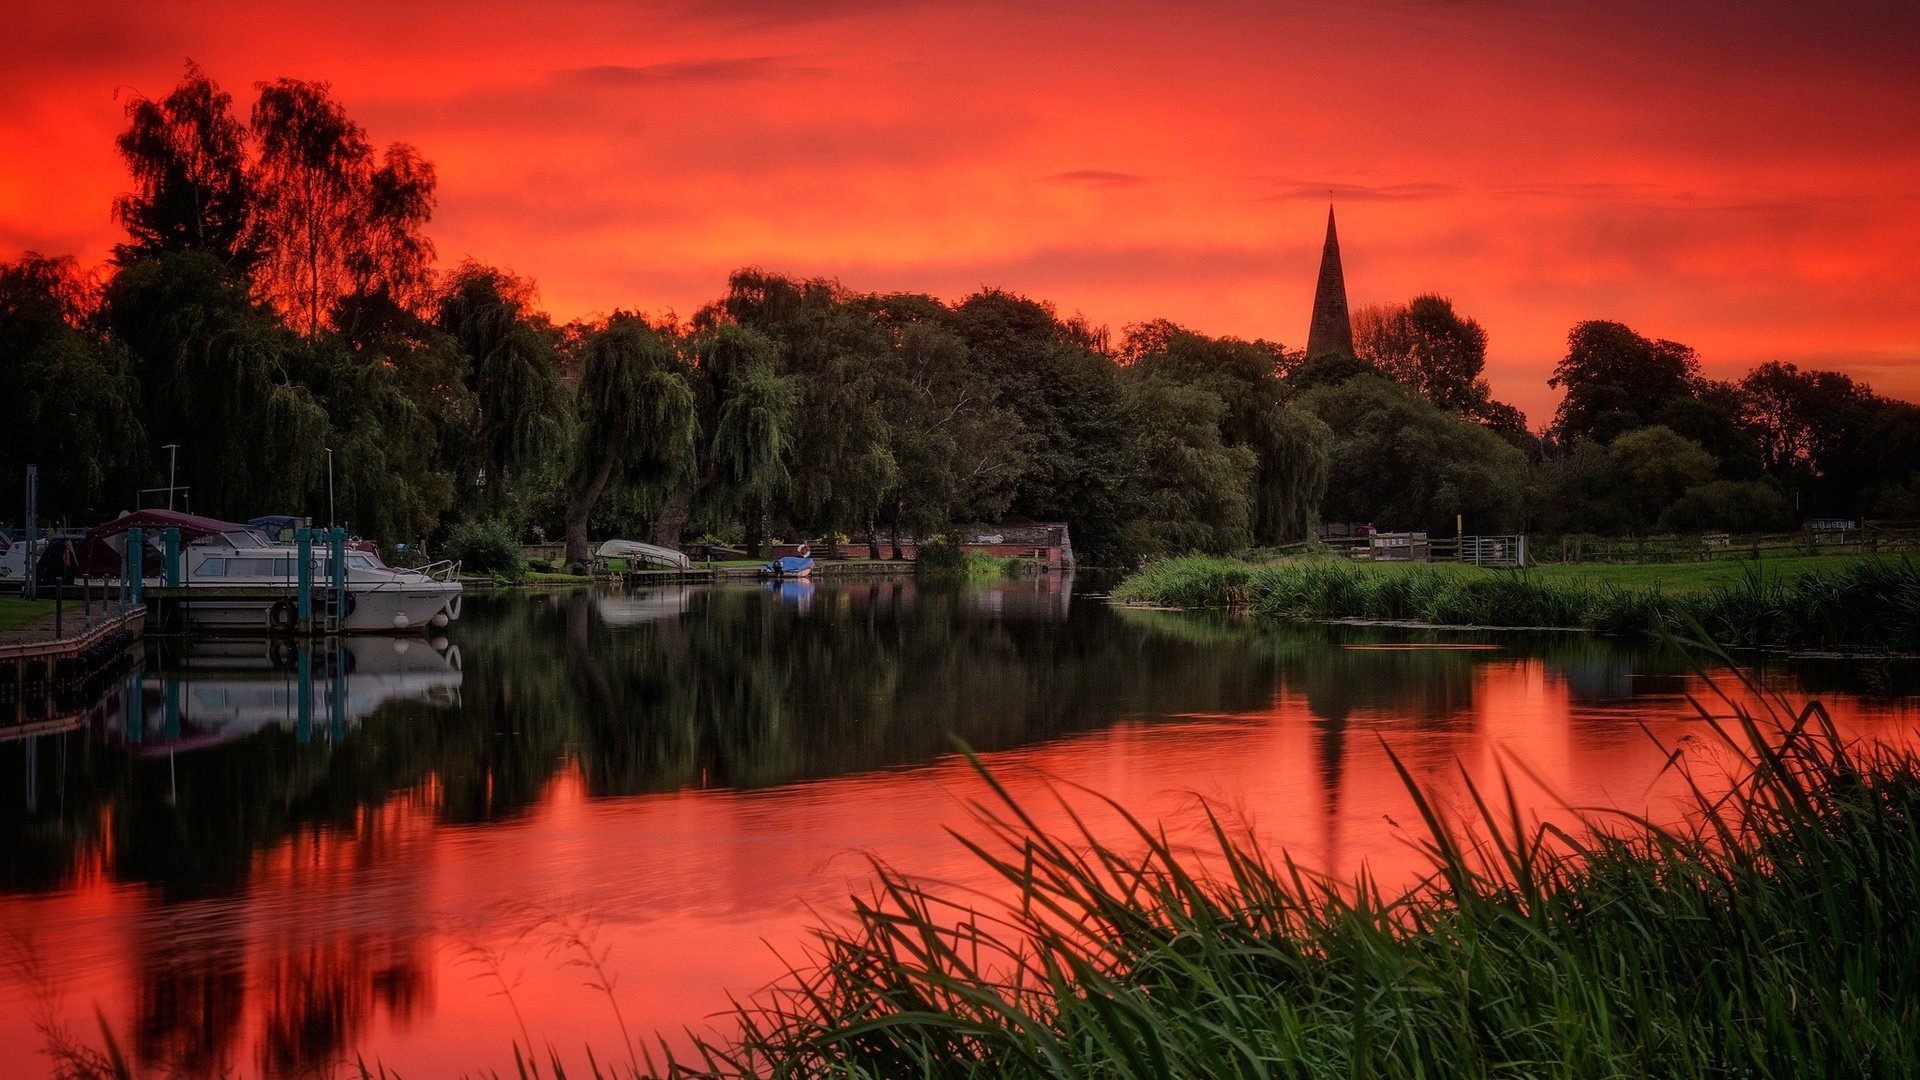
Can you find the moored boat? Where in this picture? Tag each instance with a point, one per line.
(790, 566)
(247, 581)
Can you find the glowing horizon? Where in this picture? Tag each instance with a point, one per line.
(1734, 177)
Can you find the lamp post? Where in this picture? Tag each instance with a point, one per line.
(329, 451)
(173, 457)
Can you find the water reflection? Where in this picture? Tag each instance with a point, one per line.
(253, 857)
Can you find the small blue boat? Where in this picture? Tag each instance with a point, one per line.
(790, 566)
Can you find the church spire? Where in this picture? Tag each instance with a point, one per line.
(1332, 330)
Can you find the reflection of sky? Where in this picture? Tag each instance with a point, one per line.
(353, 925)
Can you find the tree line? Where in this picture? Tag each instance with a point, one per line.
(277, 308)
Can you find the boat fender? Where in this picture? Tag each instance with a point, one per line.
(280, 616)
(453, 608)
(346, 609)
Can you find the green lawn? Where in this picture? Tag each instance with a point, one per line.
(17, 613)
(1691, 577)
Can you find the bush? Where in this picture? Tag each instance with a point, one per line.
(485, 547)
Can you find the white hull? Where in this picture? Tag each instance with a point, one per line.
(379, 609)
(222, 569)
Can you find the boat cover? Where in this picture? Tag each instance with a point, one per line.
(102, 558)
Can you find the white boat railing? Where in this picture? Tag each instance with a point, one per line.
(443, 570)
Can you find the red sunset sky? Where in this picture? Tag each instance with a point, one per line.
(1741, 176)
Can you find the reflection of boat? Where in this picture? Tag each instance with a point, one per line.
(795, 593)
(791, 566)
(635, 552)
(235, 565)
(215, 691)
(645, 606)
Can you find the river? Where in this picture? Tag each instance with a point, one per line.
(577, 812)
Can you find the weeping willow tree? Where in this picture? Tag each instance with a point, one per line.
(1294, 457)
(71, 405)
(636, 418)
(519, 405)
(746, 414)
(217, 378)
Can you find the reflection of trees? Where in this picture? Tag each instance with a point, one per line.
(190, 999)
(743, 691)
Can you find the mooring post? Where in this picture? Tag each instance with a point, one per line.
(303, 590)
(170, 541)
(135, 583)
(337, 550)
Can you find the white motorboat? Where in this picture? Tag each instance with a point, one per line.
(380, 598)
(248, 579)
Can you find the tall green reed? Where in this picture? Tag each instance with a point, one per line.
(1772, 932)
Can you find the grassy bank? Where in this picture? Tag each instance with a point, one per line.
(1855, 603)
(15, 613)
(1774, 935)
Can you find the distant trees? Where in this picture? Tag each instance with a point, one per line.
(275, 307)
(1399, 460)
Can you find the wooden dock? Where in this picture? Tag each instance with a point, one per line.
(35, 672)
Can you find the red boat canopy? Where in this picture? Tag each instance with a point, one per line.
(103, 558)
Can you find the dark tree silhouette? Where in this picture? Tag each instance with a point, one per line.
(188, 158)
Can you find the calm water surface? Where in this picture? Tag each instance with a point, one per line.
(265, 861)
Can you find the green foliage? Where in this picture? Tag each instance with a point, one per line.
(1401, 462)
(635, 418)
(1188, 581)
(940, 557)
(512, 374)
(218, 377)
(1193, 493)
(1289, 447)
(1732, 506)
(485, 547)
(1653, 466)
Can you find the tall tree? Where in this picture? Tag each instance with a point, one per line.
(950, 439)
(1191, 491)
(636, 417)
(1071, 407)
(1245, 377)
(746, 413)
(187, 154)
(832, 351)
(1426, 345)
(1615, 380)
(332, 220)
(512, 372)
(1654, 466)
